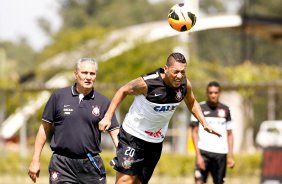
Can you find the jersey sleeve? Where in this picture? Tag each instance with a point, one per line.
(50, 109)
(193, 121)
(229, 122)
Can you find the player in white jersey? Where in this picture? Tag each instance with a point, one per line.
(211, 151)
(157, 96)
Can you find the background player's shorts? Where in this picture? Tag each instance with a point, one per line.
(136, 156)
(215, 164)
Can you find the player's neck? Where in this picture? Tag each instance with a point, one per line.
(212, 104)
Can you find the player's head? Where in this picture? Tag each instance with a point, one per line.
(175, 69)
(85, 73)
(213, 92)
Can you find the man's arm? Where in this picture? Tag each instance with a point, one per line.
(34, 168)
(195, 137)
(114, 136)
(196, 110)
(134, 87)
(230, 161)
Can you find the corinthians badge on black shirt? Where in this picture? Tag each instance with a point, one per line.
(96, 111)
(178, 95)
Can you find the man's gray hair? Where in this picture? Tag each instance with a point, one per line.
(90, 60)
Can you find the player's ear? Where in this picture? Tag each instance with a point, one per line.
(165, 69)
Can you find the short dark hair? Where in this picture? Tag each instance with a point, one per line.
(214, 84)
(178, 57)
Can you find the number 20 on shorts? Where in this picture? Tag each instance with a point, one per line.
(129, 151)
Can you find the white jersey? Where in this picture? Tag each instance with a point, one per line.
(218, 118)
(149, 116)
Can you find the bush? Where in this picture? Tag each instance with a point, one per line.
(177, 165)
(246, 165)
(173, 165)
(11, 163)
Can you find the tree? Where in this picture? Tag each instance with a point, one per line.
(109, 13)
(271, 8)
(21, 54)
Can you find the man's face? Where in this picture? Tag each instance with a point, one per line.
(85, 75)
(213, 94)
(175, 73)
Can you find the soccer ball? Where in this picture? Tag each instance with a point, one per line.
(181, 18)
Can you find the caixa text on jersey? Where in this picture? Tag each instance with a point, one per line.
(165, 108)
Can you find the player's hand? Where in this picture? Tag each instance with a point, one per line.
(230, 163)
(201, 163)
(104, 124)
(34, 170)
(211, 130)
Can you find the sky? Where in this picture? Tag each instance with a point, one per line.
(18, 18)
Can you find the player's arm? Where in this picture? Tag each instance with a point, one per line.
(195, 137)
(134, 87)
(114, 136)
(196, 110)
(231, 162)
(34, 168)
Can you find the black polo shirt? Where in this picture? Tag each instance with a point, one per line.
(76, 131)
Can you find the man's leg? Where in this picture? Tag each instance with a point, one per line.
(62, 170)
(126, 179)
(218, 168)
(202, 175)
(198, 176)
(89, 173)
(129, 158)
(152, 154)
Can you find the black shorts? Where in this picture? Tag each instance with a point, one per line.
(68, 170)
(136, 156)
(215, 164)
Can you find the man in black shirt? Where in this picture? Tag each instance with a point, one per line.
(75, 112)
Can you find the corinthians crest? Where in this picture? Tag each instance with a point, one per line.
(178, 95)
(95, 110)
(221, 113)
(127, 162)
(54, 176)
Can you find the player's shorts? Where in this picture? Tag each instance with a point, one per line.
(63, 169)
(136, 156)
(215, 164)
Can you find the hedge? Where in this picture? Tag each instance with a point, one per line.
(174, 165)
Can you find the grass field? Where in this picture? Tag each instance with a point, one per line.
(110, 180)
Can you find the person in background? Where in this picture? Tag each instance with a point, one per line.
(74, 112)
(213, 153)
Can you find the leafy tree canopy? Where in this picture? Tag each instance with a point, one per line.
(110, 13)
(270, 8)
(20, 52)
